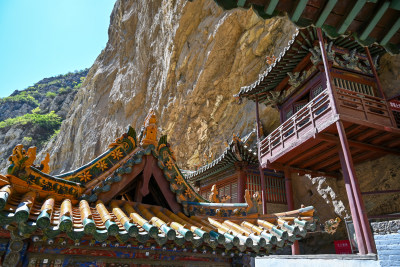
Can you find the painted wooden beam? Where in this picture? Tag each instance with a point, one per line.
(350, 17)
(375, 20)
(241, 3)
(325, 13)
(271, 7)
(391, 32)
(299, 10)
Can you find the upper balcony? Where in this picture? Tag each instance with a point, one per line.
(308, 140)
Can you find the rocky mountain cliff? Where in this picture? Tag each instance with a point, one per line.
(184, 59)
(33, 115)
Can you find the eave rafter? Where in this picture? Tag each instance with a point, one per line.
(363, 19)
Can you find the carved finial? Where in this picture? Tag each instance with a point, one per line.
(271, 60)
(150, 130)
(253, 203)
(248, 200)
(236, 138)
(21, 160)
(214, 195)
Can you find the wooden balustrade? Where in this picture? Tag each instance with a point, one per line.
(318, 114)
(363, 107)
(303, 121)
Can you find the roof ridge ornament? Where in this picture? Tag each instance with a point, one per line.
(149, 136)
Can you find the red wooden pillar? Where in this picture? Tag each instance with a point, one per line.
(263, 185)
(290, 202)
(353, 208)
(241, 181)
(348, 162)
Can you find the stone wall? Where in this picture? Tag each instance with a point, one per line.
(387, 239)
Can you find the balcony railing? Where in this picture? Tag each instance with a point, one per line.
(318, 114)
(364, 107)
(302, 123)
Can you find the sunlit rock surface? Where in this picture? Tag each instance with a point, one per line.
(185, 60)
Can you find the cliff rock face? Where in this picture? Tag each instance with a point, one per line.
(184, 59)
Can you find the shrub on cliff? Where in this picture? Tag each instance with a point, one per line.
(49, 121)
(23, 97)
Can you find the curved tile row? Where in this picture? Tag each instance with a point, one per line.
(301, 43)
(227, 158)
(124, 220)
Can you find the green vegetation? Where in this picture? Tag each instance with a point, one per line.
(56, 132)
(48, 87)
(27, 140)
(49, 121)
(50, 94)
(23, 97)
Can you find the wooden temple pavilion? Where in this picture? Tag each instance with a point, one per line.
(333, 114)
(237, 170)
(130, 206)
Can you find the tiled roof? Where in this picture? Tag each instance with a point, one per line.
(90, 204)
(236, 151)
(125, 222)
(301, 44)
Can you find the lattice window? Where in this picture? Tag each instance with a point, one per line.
(253, 183)
(316, 91)
(275, 187)
(234, 193)
(276, 192)
(289, 114)
(354, 86)
(298, 106)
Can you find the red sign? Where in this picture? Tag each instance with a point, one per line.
(342, 247)
(394, 105)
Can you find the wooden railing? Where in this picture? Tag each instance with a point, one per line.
(302, 122)
(364, 107)
(318, 114)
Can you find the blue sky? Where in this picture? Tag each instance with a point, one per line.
(44, 38)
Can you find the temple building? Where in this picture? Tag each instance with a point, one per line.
(237, 170)
(131, 206)
(333, 114)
